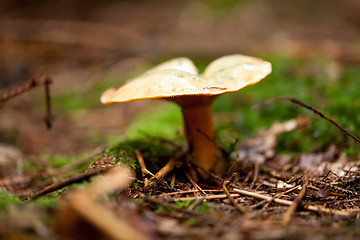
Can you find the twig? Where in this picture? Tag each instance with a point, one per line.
(232, 200)
(215, 177)
(352, 171)
(256, 173)
(115, 178)
(142, 164)
(65, 182)
(296, 101)
(83, 202)
(53, 172)
(163, 172)
(314, 180)
(208, 197)
(194, 183)
(315, 208)
(186, 192)
(227, 174)
(296, 202)
(49, 117)
(107, 221)
(67, 168)
(173, 181)
(279, 195)
(26, 86)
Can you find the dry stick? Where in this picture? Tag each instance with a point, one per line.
(53, 172)
(208, 197)
(186, 192)
(163, 172)
(67, 168)
(28, 85)
(195, 184)
(173, 181)
(210, 174)
(314, 180)
(65, 182)
(142, 164)
(297, 201)
(256, 173)
(107, 221)
(228, 173)
(84, 203)
(232, 200)
(315, 208)
(49, 117)
(351, 171)
(296, 101)
(330, 193)
(279, 195)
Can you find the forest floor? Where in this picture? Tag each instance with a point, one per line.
(289, 173)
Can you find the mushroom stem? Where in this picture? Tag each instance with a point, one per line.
(199, 128)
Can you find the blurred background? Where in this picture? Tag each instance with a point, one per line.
(88, 46)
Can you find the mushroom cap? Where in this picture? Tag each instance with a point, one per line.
(179, 77)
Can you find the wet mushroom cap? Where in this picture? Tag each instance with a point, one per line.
(179, 77)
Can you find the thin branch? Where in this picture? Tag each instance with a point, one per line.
(232, 200)
(85, 161)
(65, 182)
(141, 161)
(297, 201)
(25, 86)
(195, 184)
(296, 101)
(208, 197)
(314, 208)
(28, 85)
(169, 166)
(49, 117)
(188, 191)
(83, 203)
(256, 173)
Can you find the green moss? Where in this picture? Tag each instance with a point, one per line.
(7, 199)
(192, 222)
(151, 148)
(202, 208)
(49, 200)
(163, 122)
(295, 78)
(338, 100)
(184, 204)
(222, 7)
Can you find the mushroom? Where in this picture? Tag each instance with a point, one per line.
(178, 81)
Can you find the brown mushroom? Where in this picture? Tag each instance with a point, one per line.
(178, 80)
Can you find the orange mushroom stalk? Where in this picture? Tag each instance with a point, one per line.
(178, 80)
